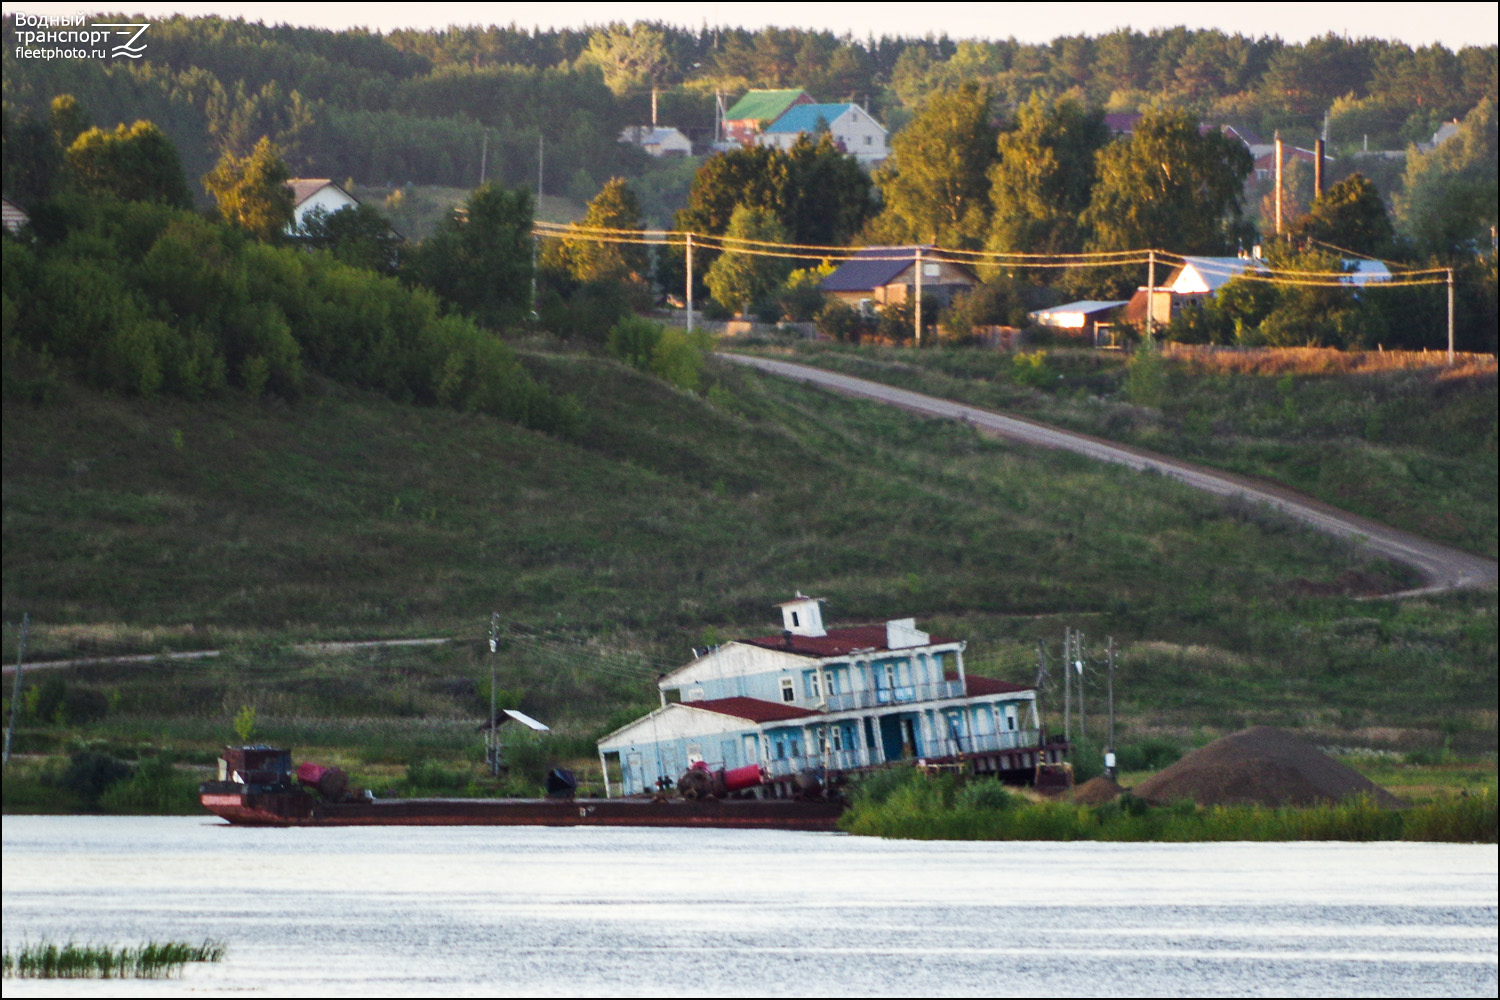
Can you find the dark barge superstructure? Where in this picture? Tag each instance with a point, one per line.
(257, 786)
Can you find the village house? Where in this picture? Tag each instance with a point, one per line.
(757, 109)
(658, 141)
(812, 698)
(1202, 278)
(853, 130)
(1087, 320)
(877, 276)
(14, 218)
(309, 194)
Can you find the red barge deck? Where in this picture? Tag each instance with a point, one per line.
(257, 787)
(291, 809)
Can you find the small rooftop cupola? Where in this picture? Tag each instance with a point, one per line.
(803, 615)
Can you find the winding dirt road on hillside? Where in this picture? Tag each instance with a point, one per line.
(1444, 567)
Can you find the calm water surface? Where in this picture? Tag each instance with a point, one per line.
(488, 911)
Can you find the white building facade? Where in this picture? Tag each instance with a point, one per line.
(825, 700)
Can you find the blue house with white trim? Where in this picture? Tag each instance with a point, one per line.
(812, 698)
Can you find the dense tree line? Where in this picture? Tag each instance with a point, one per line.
(217, 85)
(147, 300)
(117, 283)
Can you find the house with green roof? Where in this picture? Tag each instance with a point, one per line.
(758, 108)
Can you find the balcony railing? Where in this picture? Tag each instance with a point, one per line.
(845, 760)
(899, 695)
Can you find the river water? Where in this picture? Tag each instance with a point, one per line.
(519, 911)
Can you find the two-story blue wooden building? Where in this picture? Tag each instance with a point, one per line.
(832, 700)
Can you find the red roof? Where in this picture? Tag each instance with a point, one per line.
(838, 642)
(978, 686)
(752, 708)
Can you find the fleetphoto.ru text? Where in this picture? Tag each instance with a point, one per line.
(73, 36)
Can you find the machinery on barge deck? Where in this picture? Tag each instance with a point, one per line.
(258, 786)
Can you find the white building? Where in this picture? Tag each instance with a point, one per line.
(852, 129)
(812, 698)
(309, 194)
(658, 141)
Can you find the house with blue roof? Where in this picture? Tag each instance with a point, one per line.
(827, 700)
(853, 129)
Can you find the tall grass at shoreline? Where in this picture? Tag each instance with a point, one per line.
(909, 806)
(152, 960)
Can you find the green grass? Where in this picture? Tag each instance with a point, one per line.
(671, 520)
(908, 805)
(152, 960)
(1414, 448)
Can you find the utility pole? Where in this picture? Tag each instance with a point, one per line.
(1083, 715)
(15, 695)
(1278, 182)
(1450, 317)
(484, 155)
(1041, 675)
(1150, 295)
(689, 282)
(491, 743)
(1318, 157)
(1109, 658)
(1067, 684)
(919, 298)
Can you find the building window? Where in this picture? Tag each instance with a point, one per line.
(838, 739)
(814, 686)
(788, 690)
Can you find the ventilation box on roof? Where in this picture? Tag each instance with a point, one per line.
(902, 633)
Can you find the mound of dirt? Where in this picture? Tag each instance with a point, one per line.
(1260, 766)
(1097, 791)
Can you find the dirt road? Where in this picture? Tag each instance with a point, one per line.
(1444, 567)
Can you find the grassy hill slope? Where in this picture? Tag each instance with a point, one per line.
(1414, 447)
(671, 520)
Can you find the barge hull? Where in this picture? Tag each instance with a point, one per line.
(291, 810)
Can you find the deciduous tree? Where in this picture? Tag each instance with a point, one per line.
(936, 182)
(133, 163)
(1449, 204)
(252, 192)
(1040, 188)
(1168, 186)
(480, 260)
(587, 259)
(739, 280)
(1351, 216)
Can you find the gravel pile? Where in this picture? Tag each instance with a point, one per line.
(1097, 791)
(1260, 766)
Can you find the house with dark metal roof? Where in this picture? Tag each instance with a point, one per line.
(826, 700)
(877, 276)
